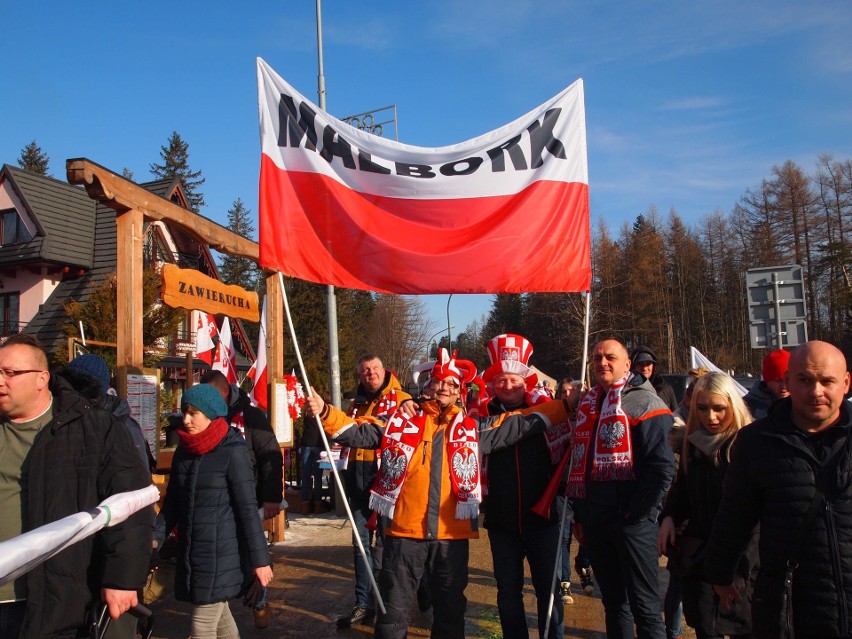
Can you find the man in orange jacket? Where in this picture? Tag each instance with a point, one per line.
(429, 486)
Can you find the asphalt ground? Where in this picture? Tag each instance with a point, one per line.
(313, 585)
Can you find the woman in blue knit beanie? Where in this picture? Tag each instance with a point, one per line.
(222, 549)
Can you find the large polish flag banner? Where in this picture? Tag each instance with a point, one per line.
(506, 212)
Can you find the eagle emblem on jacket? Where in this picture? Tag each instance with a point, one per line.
(394, 464)
(464, 466)
(611, 435)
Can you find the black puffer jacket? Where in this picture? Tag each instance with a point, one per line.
(80, 458)
(211, 500)
(771, 480)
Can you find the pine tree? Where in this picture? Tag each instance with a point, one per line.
(34, 159)
(242, 271)
(234, 269)
(176, 165)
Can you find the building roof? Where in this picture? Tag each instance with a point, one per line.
(64, 216)
(48, 324)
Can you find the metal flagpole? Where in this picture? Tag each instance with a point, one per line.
(586, 340)
(568, 452)
(325, 443)
(330, 299)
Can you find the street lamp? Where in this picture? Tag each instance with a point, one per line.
(429, 342)
(449, 328)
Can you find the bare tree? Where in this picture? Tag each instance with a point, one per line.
(397, 333)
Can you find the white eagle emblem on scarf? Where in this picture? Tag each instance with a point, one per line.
(611, 434)
(579, 454)
(464, 465)
(394, 463)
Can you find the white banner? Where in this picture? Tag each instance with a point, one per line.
(20, 554)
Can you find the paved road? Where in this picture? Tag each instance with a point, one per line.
(313, 586)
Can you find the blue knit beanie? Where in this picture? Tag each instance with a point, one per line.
(206, 399)
(94, 366)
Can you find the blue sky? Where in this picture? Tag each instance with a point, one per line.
(688, 103)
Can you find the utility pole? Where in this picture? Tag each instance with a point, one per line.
(330, 299)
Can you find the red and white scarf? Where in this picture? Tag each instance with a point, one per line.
(387, 405)
(463, 457)
(401, 437)
(610, 430)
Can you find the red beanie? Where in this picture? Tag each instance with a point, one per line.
(775, 365)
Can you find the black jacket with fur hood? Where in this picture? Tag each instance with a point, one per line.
(81, 457)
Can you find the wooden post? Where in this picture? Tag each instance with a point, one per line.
(129, 235)
(190, 373)
(275, 329)
(275, 370)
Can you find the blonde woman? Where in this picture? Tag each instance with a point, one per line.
(716, 415)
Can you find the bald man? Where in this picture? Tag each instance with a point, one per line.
(795, 461)
(621, 468)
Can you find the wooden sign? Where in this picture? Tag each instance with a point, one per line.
(188, 288)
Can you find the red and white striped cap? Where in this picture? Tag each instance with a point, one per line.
(510, 354)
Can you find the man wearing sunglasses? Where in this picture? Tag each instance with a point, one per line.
(59, 456)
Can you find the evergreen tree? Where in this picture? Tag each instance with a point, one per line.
(506, 315)
(33, 159)
(98, 314)
(176, 165)
(242, 271)
(234, 269)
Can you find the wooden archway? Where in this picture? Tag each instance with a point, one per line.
(132, 205)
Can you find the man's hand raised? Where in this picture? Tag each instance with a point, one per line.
(313, 404)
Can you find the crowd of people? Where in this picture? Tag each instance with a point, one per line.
(747, 496)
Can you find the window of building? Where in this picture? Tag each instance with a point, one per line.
(10, 304)
(12, 229)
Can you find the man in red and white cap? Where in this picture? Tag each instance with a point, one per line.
(429, 487)
(516, 479)
(772, 386)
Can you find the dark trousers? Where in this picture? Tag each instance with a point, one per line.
(508, 551)
(625, 561)
(403, 563)
(563, 503)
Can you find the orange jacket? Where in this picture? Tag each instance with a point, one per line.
(371, 408)
(427, 504)
(361, 470)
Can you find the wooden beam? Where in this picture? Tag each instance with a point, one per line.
(120, 194)
(129, 234)
(274, 328)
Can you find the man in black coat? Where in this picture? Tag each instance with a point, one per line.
(621, 467)
(777, 465)
(59, 455)
(643, 362)
(264, 450)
